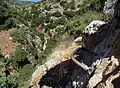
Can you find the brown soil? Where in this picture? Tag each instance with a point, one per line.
(7, 46)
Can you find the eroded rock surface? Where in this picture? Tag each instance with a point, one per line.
(100, 52)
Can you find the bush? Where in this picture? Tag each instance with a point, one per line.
(19, 57)
(7, 14)
(11, 83)
(63, 3)
(51, 26)
(61, 21)
(25, 76)
(10, 23)
(69, 13)
(40, 34)
(20, 35)
(48, 8)
(57, 14)
(37, 20)
(81, 21)
(47, 18)
(28, 16)
(72, 4)
(51, 44)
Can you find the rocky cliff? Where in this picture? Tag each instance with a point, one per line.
(99, 51)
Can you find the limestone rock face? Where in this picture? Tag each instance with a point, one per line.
(100, 51)
(35, 41)
(93, 27)
(109, 8)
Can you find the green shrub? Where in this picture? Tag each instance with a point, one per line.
(37, 20)
(51, 26)
(41, 35)
(63, 3)
(61, 21)
(57, 14)
(47, 18)
(25, 76)
(95, 4)
(10, 23)
(57, 1)
(20, 35)
(51, 44)
(69, 13)
(81, 21)
(28, 16)
(19, 57)
(48, 8)
(8, 84)
(72, 4)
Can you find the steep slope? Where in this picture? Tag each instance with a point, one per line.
(59, 58)
(41, 27)
(101, 55)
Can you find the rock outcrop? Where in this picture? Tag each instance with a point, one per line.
(100, 51)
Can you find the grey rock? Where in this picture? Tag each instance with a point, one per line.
(77, 40)
(93, 27)
(109, 8)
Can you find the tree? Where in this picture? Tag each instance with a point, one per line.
(19, 57)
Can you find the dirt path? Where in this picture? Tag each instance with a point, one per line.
(7, 46)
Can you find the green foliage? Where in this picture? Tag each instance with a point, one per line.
(72, 4)
(51, 26)
(51, 44)
(61, 21)
(28, 16)
(20, 35)
(63, 3)
(47, 18)
(31, 49)
(19, 57)
(81, 21)
(41, 35)
(95, 4)
(72, 21)
(12, 81)
(37, 20)
(6, 82)
(25, 76)
(19, 54)
(2, 80)
(48, 7)
(7, 14)
(57, 1)
(57, 14)
(69, 13)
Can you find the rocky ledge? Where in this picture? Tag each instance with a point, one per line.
(99, 51)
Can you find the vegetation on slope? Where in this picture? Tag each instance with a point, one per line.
(38, 26)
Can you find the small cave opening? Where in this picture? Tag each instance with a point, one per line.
(116, 82)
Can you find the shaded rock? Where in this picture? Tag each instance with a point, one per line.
(100, 52)
(42, 70)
